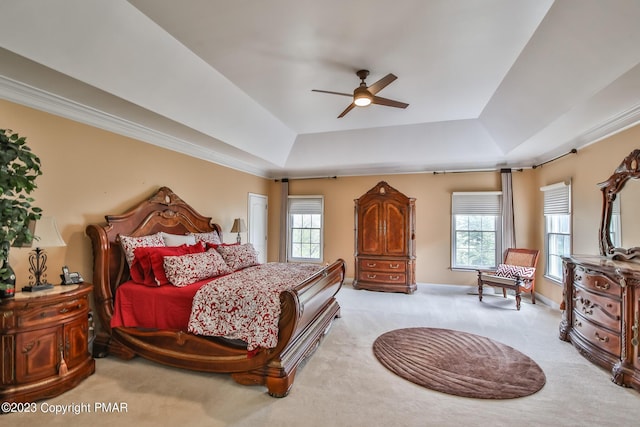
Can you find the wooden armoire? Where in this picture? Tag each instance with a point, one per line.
(385, 254)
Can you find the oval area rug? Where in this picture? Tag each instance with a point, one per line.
(458, 363)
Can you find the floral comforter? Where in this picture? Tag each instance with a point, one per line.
(245, 305)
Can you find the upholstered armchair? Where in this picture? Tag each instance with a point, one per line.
(517, 273)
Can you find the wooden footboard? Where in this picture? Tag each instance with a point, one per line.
(307, 311)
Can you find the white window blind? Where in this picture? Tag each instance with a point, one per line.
(305, 205)
(476, 203)
(557, 198)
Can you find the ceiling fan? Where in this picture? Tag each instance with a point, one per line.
(364, 95)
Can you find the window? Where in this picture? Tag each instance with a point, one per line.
(305, 228)
(557, 218)
(476, 229)
(615, 227)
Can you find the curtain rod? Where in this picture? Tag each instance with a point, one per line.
(573, 151)
(476, 171)
(299, 179)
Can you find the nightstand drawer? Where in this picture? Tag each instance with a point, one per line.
(51, 313)
(383, 265)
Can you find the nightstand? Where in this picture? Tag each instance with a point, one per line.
(44, 343)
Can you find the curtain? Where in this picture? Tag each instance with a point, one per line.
(284, 207)
(508, 223)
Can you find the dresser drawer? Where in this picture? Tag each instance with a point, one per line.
(600, 309)
(374, 276)
(598, 336)
(51, 313)
(383, 265)
(596, 282)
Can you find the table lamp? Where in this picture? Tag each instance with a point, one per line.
(46, 235)
(238, 227)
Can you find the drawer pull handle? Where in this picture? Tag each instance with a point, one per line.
(394, 265)
(394, 277)
(602, 339)
(371, 276)
(371, 264)
(577, 323)
(68, 309)
(587, 306)
(603, 287)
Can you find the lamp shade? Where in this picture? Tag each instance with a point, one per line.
(238, 226)
(46, 234)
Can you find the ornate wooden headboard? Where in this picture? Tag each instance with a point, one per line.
(164, 211)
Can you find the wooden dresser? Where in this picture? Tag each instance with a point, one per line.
(44, 343)
(385, 240)
(601, 295)
(601, 314)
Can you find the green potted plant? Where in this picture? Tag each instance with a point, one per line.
(19, 168)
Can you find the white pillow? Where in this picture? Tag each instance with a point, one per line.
(178, 239)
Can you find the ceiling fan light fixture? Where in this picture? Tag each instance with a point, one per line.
(362, 97)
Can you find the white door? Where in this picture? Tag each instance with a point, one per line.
(257, 227)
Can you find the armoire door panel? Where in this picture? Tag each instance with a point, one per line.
(395, 235)
(371, 240)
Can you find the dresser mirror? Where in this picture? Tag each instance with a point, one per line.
(620, 229)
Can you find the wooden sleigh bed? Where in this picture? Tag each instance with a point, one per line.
(306, 310)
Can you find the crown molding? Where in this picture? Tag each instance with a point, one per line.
(614, 124)
(38, 99)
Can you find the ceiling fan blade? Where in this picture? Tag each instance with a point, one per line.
(388, 102)
(349, 108)
(381, 84)
(333, 93)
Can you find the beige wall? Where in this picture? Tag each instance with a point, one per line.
(88, 173)
(433, 219)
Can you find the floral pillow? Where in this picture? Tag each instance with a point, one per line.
(187, 269)
(513, 271)
(239, 256)
(148, 265)
(130, 243)
(211, 237)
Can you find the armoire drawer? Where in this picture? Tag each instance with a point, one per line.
(596, 282)
(374, 276)
(600, 309)
(598, 336)
(383, 265)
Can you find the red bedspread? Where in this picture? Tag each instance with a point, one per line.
(245, 305)
(157, 307)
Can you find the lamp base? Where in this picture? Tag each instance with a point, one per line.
(35, 288)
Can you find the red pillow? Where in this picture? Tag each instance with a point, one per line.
(209, 245)
(148, 267)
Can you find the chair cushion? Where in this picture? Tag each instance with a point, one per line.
(513, 271)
